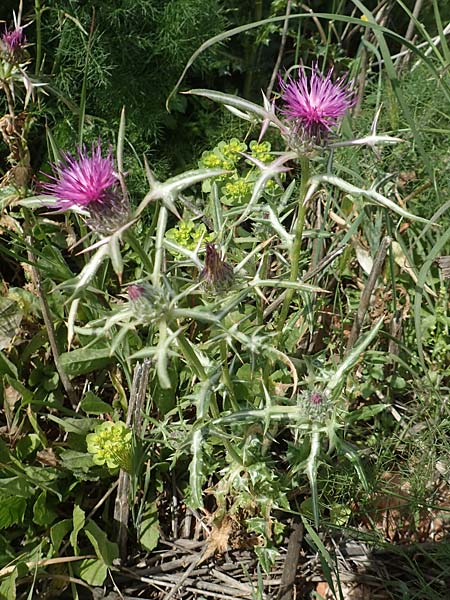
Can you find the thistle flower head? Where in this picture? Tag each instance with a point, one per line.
(13, 39)
(89, 181)
(216, 273)
(316, 405)
(12, 42)
(110, 444)
(147, 302)
(314, 103)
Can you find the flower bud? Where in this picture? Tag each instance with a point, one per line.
(216, 273)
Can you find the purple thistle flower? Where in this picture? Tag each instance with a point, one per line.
(12, 42)
(80, 181)
(90, 182)
(314, 103)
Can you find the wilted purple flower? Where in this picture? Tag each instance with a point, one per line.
(314, 103)
(216, 273)
(12, 42)
(90, 182)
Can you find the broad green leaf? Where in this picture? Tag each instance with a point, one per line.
(93, 571)
(79, 426)
(12, 510)
(105, 550)
(266, 557)
(8, 586)
(85, 360)
(76, 461)
(149, 530)
(364, 413)
(78, 524)
(27, 445)
(27, 396)
(16, 486)
(42, 514)
(58, 532)
(340, 514)
(92, 404)
(4, 452)
(10, 317)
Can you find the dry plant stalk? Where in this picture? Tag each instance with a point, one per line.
(134, 422)
(378, 263)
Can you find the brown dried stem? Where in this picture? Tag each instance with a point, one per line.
(367, 292)
(134, 422)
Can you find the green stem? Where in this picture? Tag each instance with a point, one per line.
(37, 19)
(161, 363)
(159, 250)
(296, 248)
(226, 375)
(311, 471)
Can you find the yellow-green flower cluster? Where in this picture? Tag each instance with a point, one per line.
(232, 148)
(188, 234)
(110, 444)
(225, 155)
(261, 151)
(236, 185)
(237, 188)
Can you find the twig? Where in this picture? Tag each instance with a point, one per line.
(134, 422)
(367, 292)
(401, 61)
(416, 192)
(280, 51)
(33, 564)
(291, 563)
(361, 79)
(186, 574)
(316, 20)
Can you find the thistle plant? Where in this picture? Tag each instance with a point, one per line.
(306, 115)
(224, 278)
(312, 105)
